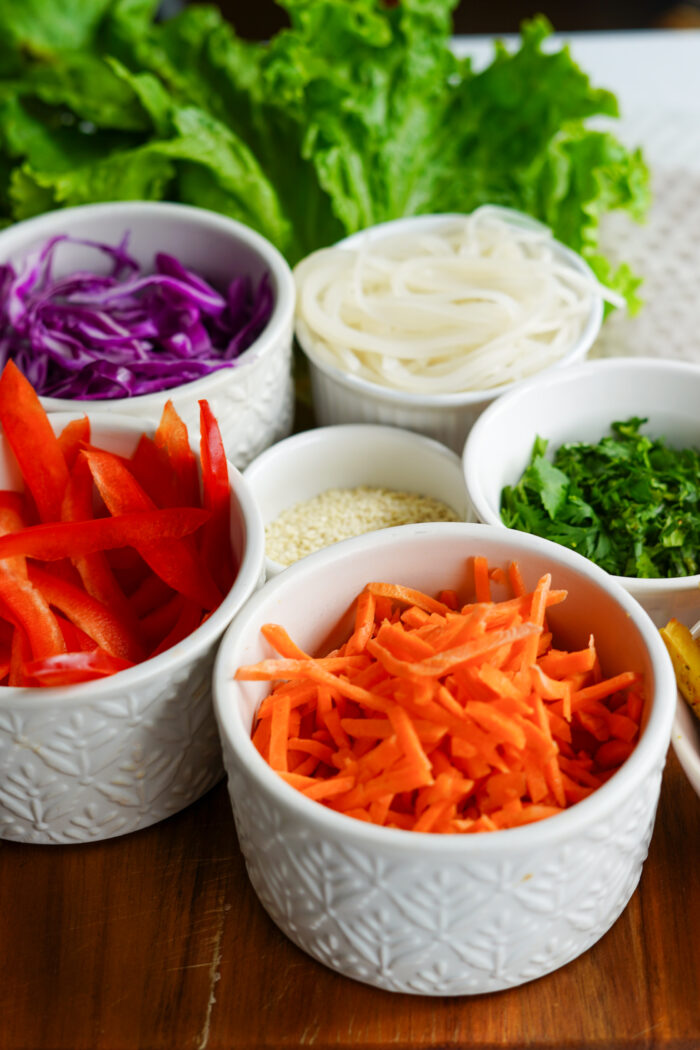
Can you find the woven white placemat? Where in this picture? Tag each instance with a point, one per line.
(665, 252)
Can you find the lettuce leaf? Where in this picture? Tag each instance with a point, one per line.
(357, 113)
(38, 25)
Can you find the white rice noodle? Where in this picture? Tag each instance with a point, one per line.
(475, 304)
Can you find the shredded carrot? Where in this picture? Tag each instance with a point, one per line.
(498, 575)
(397, 593)
(482, 584)
(279, 735)
(604, 688)
(446, 716)
(449, 598)
(280, 640)
(559, 664)
(517, 584)
(364, 623)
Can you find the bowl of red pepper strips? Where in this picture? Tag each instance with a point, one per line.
(124, 554)
(119, 307)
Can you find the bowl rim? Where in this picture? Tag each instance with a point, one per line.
(250, 569)
(339, 433)
(646, 588)
(685, 723)
(467, 397)
(687, 753)
(541, 833)
(282, 313)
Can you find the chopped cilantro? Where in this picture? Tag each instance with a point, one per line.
(629, 503)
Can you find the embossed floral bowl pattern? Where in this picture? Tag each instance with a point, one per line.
(254, 400)
(442, 914)
(579, 404)
(107, 757)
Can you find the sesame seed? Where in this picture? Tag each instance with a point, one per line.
(338, 514)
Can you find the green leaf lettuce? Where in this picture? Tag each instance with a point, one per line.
(355, 114)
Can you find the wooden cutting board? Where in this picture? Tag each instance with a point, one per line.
(157, 941)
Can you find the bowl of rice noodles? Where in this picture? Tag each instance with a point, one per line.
(422, 322)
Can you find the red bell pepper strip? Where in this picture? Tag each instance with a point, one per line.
(173, 439)
(75, 639)
(161, 621)
(129, 567)
(66, 539)
(20, 652)
(152, 469)
(107, 630)
(65, 570)
(149, 595)
(11, 522)
(7, 630)
(72, 438)
(30, 610)
(175, 561)
(216, 488)
(33, 442)
(94, 568)
(71, 668)
(10, 500)
(188, 621)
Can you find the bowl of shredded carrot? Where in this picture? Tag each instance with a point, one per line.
(444, 745)
(125, 550)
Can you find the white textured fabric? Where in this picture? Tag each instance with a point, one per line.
(665, 251)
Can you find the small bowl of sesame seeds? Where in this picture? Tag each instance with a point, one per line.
(328, 484)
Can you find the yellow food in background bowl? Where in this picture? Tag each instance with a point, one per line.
(684, 649)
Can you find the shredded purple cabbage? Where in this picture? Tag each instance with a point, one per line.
(89, 336)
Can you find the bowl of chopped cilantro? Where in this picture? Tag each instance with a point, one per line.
(603, 458)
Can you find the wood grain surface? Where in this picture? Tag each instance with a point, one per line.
(156, 940)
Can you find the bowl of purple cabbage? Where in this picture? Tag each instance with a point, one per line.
(119, 307)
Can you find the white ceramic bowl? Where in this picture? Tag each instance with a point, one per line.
(579, 404)
(314, 461)
(103, 758)
(442, 914)
(254, 400)
(340, 397)
(685, 736)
